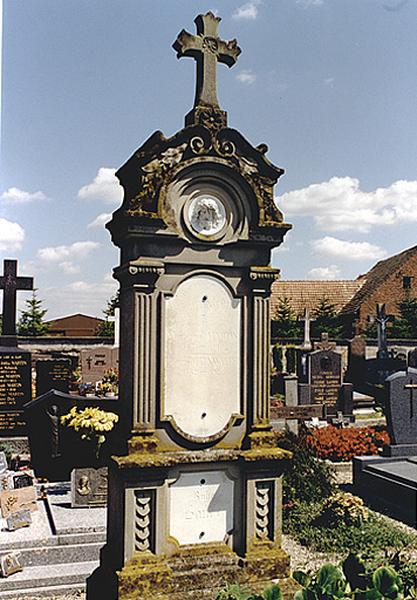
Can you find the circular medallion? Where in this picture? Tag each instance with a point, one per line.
(207, 215)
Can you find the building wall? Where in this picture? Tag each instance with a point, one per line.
(390, 292)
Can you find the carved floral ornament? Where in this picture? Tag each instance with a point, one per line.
(162, 168)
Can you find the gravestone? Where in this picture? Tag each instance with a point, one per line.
(401, 413)
(15, 364)
(56, 449)
(325, 376)
(10, 564)
(412, 358)
(88, 487)
(3, 463)
(12, 501)
(199, 481)
(53, 374)
(15, 390)
(20, 519)
(307, 345)
(95, 362)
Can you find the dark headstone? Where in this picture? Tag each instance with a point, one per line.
(88, 487)
(304, 393)
(53, 375)
(56, 449)
(345, 399)
(10, 283)
(15, 390)
(412, 358)
(325, 374)
(20, 519)
(401, 412)
(22, 480)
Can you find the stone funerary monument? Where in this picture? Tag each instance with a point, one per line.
(195, 502)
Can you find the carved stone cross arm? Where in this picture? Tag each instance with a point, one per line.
(207, 49)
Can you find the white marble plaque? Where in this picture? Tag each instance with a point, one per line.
(201, 507)
(202, 356)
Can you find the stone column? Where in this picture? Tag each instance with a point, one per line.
(138, 342)
(291, 399)
(261, 281)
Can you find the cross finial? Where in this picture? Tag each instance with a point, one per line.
(207, 49)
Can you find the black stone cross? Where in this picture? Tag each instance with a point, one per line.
(207, 49)
(411, 386)
(10, 283)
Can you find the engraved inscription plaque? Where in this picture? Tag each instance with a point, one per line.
(15, 391)
(202, 356)
(201, 507)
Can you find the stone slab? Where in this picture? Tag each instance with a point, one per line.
(68, 520)
(15, 500)
(388, 484)
(202, 369)
(201, 507)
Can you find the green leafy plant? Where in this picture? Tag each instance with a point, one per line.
(344, 507)
(326, 319)
(235, 592)
(285, 324)
(31, 321)
(308, 477)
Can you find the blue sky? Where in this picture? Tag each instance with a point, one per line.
(329, 85)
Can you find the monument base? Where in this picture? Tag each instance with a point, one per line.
(196, 571)
(388, 484)
(184, 524)
(400, 450)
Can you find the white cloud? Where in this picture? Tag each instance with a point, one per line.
(340, 205)
(58, 254)
(11, 235)
(99, 221)
(79, 297)
(247, 11)
(308, 3)
(330, 272)
(15, 196)
(343, 250)
(68, 267)
(246, 76)
(105, 187)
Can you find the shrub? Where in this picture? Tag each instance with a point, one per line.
(344, 507)
(308, 477)
(340, 445)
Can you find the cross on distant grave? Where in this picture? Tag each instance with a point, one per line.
(10, 283)
(306, 345)
(411, 386)
(324, 343)
(382, 319)
(207, 49)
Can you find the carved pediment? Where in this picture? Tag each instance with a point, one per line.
(158, 161)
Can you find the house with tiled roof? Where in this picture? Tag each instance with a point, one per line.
(389, 282)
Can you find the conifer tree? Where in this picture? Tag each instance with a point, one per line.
(31, 320)
(326, 319)
(405, 326)
(106, 329)
(285, 323)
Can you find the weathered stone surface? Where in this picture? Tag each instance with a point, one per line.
(401, 411)
(12, 501)
(202, 340)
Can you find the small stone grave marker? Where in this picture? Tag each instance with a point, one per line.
(95, 362)
(22, 480)
(53, 374)
(88, 487)
(9, 564)
(12, 501)
(3, 462)
(5, 482)
(17, 520)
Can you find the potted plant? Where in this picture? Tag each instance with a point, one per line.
(92, 425)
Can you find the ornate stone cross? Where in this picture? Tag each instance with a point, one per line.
(10, 283)
(411, 386)
(207, 49)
